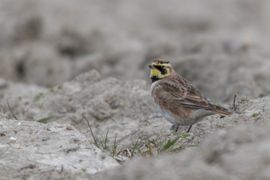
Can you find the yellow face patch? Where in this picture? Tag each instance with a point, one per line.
(154, 72)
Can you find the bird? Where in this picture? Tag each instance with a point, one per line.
(177, 99)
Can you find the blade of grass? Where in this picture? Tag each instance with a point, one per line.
(114, 146)
(106, 140)
(169, 144)
(45, 119)
(11, 111)
(91, 131)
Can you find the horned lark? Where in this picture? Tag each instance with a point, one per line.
(178, 101)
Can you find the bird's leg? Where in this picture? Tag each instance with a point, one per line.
(174, 127)
(189, 128)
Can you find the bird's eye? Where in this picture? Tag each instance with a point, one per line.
(161, 69)
(157, 67)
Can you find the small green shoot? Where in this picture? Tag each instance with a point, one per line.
(103, 143)
(45, 120)
(38, 97)
(169, 144)
(256, 114)
(114, 149)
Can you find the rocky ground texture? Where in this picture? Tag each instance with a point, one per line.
(45, 132)
(74, 89)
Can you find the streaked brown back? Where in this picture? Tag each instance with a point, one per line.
(175, 91)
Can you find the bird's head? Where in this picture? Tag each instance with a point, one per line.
(160, 69)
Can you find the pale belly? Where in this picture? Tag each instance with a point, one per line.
(197, 116)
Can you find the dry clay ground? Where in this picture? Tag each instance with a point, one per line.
(91, 124)
(57, 122)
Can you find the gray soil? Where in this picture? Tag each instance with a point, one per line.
(74, 89)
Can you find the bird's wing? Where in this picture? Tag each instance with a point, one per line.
(182, 93)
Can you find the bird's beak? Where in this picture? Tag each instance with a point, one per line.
(150, 66)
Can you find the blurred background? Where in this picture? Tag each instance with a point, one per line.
(221, 46)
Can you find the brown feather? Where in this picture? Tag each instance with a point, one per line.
(178, 96)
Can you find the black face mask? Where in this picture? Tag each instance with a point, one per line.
(161, 69)
(154, 78)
